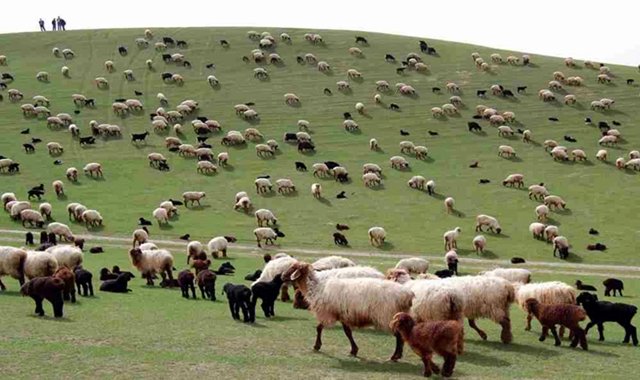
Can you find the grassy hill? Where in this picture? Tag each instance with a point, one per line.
(153, 333)
(597, 195)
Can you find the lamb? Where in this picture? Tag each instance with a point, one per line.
(66, 256)
(603, 311)
(83, 281)
(515, 275)
(489, 221)
(415, 265)
(69, 290)
(218, 246)
(151, 262)
(550, 315)
(377, 236)
(206, 280)
(553, 292)
(316, 190)
(268, 293)
(39, 264)
(239, 297)
(269, 235)
(354, 302)
(332, 262)
(450, 238)
(613, 284)
(186, 281)
(48, 288)
(425, 338)
(12, 262)
(61, 230)
(193, 197)
(117, 285)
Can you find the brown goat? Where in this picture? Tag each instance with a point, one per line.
(425, 338)
(69, 291)
(566, 315)
(200, 265)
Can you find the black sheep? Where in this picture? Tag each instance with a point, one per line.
(96, 250)
(340, 239)
(481, 93)
(301, 167)
(83, 281)
(119, 285)
(473, 126)
(45, 288)
(389, 58)
(144, 222)
(394, 107)
(600, 312)
(28, 238)
(225, 268)
(596, 247)
(268, 293)
(105, 274)
(185, 281)
(253, 276)
(122, 50)
(207, 284)
(517, 260)
(613, 284)
(444, 273)
(508, 93)
(581, 286)
(53, 240)
(521, 89)
(44, 238)
(239, 297)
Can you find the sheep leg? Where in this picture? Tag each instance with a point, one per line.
(556, 337)
(235, 309)
(81, 287)
(2, 287)
(543, 334)
(397, 354)
(39, 310)
(318, 343)
(348, 333)
(284, 293)
(434, 367)
(472, 324)
(204, 296)
(600, 331)
(449, 364)
(505, 335)
(73, 295)
(426, 360)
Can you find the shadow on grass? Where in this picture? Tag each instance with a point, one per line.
(530, 349)
(364, 365)
(198, 207)
(325, 202)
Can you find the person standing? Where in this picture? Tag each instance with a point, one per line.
(53, 24)
(41, 23)
(62, 24)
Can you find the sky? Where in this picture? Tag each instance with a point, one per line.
(602, 31)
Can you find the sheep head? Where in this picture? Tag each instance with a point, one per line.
(136, 256)
(401, 322)
(298, 273)
(532, 306)
(398, 275)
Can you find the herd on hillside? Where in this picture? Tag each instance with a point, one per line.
(423, 310)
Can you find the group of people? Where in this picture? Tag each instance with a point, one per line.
(56, 24)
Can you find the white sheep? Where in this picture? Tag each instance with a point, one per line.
(12, 264)
(61, 230)
(264, 216)
(513, 179)
(67, 256)
(39, 264)
(537, 230)
(320, 170)
(515, 275)
(551, 232)
(421, 152)
(398, 162)
(332, 262)
(140, 236)
(152, 262)
(579, 154)
(542, 213)
(377, 236)
(263, 185)
(93, 168)
(552, 292)
(417, 182)
(602, 155)
(42, 76)
(269, 235)
(33, 217)
(489, 221)
(371, 179)
(218, 246)
(206, 167)
(414, 265)
(449, 202)
(451, 238)
(479, 243)
(554, 201)
(608, 140)
(506, 150)
(92, 218)
(193, 197)
(161, 215)
(17, 207)
(291, 99)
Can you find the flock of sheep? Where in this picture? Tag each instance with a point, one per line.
(424, 310)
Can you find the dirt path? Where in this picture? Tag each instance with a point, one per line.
(534, 266)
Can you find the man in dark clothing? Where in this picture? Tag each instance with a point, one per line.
(53, 24)
(61, 24)
(41, 23)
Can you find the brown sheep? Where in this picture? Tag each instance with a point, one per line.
(45, 288)
(207, 284)
(69, 291)
(425, 338)
(200, 263)
(565, 315)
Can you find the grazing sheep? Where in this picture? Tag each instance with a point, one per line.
(269, 235)
(514, 179)
(69, 290)
(552, 201)
(425, 338)
(320, 170)
(151, 262)
(413, 265)
(61, 230)
(489, 221)
(506, 150)
(602, 155)
(398, 162)
(538, 192)
(66, 256)
(48, 288)
(93, 168)
(448, 204)
(569, 316)
(332, 262)
(291, 99)
(263, 185)
(515, 275)
(417, 182)
(264, 216)
(561, 245)
(193, 197)
(206, 280)
(450, 238)
(161, 215)
(542, 212)
(140, 236)
(32, 217)
(377, 236)
(350, 301)
(479, 243)
(551, 232)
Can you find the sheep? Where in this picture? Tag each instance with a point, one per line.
(48, 288)
(603, 78)
(549, 144)
(489, 221)
(406, 147)
(551, 232)
(265, 216)
(83, 279)
(602, 155)
(542, 212)
(151, 262)
(334, 299)
(32, 217)
(316, 190)
(437, 112)
(118, 284)
(354, 74)
(407, 90)
(356, 52)
(633, 164)
(285, 185)
(425, 338)
(413, 265)
(12, 262)
(332, 262)
(239, 296)
(291, 99)
(398, 162)
(554, 201)
(553, 292)
(514, 179)
(253, 134)
(377, 236)
(218, 246)
(546, 96)
(515, 275)
(42, 76)
(538, 192)
(350, 125)
(448, 204)
(193, 197)
(479, 243)
(320, 170)
(269, 235)
(360, 108)
(603, 311)
(561, 244)
(3, 60)
(161, 215)
(69, 290)
(66, 256)
(506, 150)
(61, 230)
(93, 168)
(496, 120)
(263, 185)
(450, 238)
(39, 264)
(579, 154)
(15, 208)
(567, 316)
(613, 284)
(140, 236)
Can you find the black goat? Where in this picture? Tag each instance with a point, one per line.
(517, 260)
(508, 94)
(570, 139)
(435, 89)
(404, 133)
(521, 89)
(581, 286)
(144, 222)
(361, 40)
(119, 285)
(28, 238)
(554, 119)
(301, 167)
(239, 297)
(444, 273)
(268, 293)
(432, 133)
(29, 148)
(327, 91)
(224, 43)
(474, 127)
(89, 140)
(135, 137)
(630, 82)
(181, 43)
(340, 239)
(83, 281)
(613, 284)
(400, 70)
(389, 58)
(600, 312)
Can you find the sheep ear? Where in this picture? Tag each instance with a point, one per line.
(295, 275)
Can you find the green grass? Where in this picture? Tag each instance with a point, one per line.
(154, 333)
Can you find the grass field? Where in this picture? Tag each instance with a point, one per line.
(152, 332)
